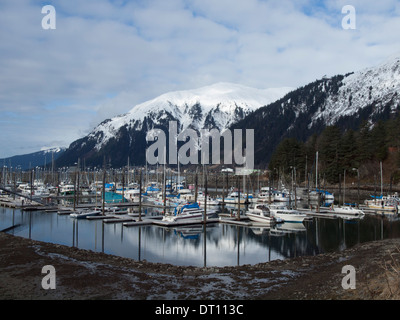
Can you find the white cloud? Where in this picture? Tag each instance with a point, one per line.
(106, 56)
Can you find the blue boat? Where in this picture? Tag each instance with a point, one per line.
(112, 197)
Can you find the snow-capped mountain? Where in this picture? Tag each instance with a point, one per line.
(379, 85)
(274, 114)
(215, 106)
(346, 101)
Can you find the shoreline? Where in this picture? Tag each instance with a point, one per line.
(87, 275)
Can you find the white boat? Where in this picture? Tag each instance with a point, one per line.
(210, 201)
(260, 213)
(385, 203)
(132, 195)
(41, 192)
(286, 214)
(281, 196)
(26, 189)
(67, 189)
(84, 214)
(265, 196)
(186, 195)
(233, 197)
(187, 212)
(347, 210)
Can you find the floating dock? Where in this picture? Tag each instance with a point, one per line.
(118, 219)
(161, 223)
(243, 221)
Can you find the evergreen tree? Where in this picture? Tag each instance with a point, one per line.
(364, 143)
(289, 153)
(378, 137)
(329, 153)
(348, 151)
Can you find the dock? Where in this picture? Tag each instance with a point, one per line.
(117, 219)
(322, 214)
(184, 223)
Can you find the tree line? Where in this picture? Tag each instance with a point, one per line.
(354, 151)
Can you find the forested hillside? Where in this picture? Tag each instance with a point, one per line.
(343, 150)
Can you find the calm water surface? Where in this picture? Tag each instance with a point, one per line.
(212, 245)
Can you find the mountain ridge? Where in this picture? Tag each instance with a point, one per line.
(34, 159)
(371, 94)
(346, 100)
(215, 106)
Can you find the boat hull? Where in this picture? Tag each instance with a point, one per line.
(261, 219)
(348, 211)
(286, 216)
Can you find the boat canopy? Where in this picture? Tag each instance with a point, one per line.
(322, 191)
(193, 205)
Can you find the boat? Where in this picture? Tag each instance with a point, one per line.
(68, 189)
(41, 192)
(113, 197)
(153, 188)
(186, 195)
(233, 198)
(286, 214)
(318, 194)
(347, 210)
(187, 212)
(265, 195)
(26, 189)
(210, 201)
(132, 195)
(281, 196)
(260, 213)
(85, 213)
(171, 200)
(385, 203)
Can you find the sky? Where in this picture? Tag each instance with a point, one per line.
(106, 56)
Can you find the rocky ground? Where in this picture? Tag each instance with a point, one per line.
(83, 274)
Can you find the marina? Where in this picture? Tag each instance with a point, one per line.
(184, 222)
(222, 241)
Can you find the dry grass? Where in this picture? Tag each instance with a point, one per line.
(386, 286)
(392, 275)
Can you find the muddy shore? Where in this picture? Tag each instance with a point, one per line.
(86, 275)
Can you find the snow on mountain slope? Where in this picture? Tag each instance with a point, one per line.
(346, 101)
(379, 85)
(218, 105)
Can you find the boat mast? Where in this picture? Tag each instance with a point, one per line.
(164, 181)
(316, 180)
(381, 180)
(179, 174)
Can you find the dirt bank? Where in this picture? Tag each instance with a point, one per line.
(83, 274)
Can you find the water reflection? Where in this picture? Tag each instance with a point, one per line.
(211, 245)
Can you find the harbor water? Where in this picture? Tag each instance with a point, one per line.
(208, 245)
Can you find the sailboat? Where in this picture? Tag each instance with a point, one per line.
(384, 203)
